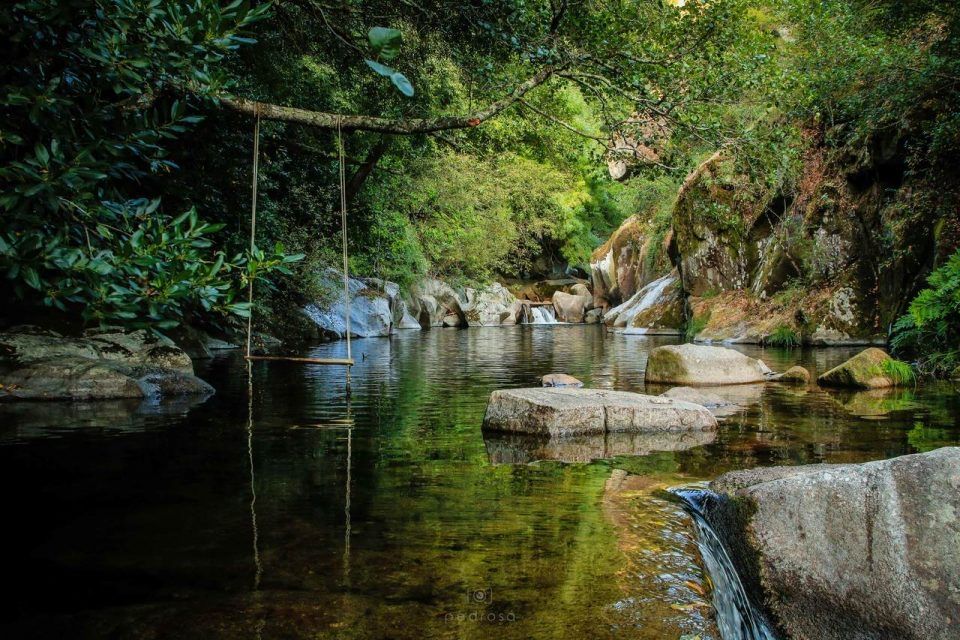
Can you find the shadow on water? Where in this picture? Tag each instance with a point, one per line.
(129, 523)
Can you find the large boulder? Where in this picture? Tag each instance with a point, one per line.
(25, 345)
(569, 412)
(692, 364)
(430, 301)
(571, 308)
(70, 378)
(373, 308)
(849, 551)
(863, 371)
(43, 365)
(493, 305)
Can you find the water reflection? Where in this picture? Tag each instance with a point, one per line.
(131, 524)
(520, 449)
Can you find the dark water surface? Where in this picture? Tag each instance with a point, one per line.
(183, 522)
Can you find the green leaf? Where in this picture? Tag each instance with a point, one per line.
(31, 277)
(385, 41)
(382, 69)
(400, 82)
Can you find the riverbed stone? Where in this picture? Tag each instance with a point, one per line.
(560, 380)
(850, 551)
(430, 301)
(43, 365)
(691, 364)
(795, 375)
(862, 371)
(568, 412)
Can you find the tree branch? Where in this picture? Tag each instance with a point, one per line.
(401, 126)
(366, 168)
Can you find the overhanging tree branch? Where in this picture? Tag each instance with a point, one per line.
(401, 126)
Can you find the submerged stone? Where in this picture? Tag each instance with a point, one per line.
(717, 405)
(508, 448)
(568, 412)
(693, 364)
(560, 380)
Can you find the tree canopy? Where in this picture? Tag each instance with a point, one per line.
(477, 134)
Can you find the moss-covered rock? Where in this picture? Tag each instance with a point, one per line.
(866, 370)
(690, 364)
(795, 375)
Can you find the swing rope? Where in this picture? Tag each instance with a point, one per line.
(253, 224)
(348, 361)
(343, 230)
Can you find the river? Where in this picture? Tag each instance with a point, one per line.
(388, 514)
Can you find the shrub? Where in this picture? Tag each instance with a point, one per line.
(783, 336)
(695, 325)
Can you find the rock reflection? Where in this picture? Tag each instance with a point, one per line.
(518, 449)
(21, 421)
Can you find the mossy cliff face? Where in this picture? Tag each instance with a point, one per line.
(710, 220)
(833, 255)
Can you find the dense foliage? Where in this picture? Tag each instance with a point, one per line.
(90, 105)
(123, 208)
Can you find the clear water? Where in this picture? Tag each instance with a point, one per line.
(188, 521)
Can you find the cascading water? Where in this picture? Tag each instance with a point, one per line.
(541, 315)
(737, 617)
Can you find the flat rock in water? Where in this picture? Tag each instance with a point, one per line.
(849, 551)
(694, 364)
(560, 380)
(569, 412)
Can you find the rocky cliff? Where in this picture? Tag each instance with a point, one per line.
(830, 256)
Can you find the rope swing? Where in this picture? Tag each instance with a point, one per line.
(348, 361)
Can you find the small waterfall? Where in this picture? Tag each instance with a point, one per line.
(539, 315)
(737, 617)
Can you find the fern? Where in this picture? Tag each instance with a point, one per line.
(930, 331)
